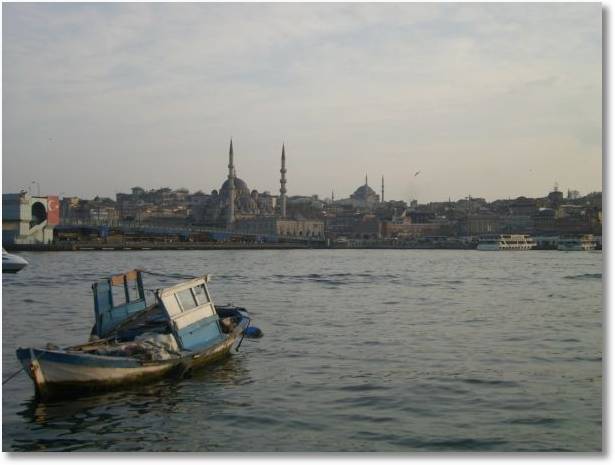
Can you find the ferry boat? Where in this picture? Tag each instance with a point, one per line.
(579, 243)
(506, 242)
(12, 263)
(132, 342)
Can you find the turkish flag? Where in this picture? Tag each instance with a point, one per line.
(53, 210)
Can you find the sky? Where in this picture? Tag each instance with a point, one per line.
(489, 100)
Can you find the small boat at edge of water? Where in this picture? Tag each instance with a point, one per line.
(134, 343)
(12, 263)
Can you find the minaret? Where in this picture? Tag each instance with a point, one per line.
(366, 179)
(283, 185)
(231, 184)
(382, 190)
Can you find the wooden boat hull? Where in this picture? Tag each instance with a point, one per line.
(59, 373)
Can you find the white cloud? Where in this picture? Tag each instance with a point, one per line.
(136, 92)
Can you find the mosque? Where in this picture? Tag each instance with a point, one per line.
(363, 198)
(238, 209)
(235, 201)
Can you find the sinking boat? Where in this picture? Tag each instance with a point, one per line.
(133, 342)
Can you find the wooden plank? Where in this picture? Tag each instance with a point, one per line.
(118, 279)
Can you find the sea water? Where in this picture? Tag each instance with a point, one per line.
(363, 350)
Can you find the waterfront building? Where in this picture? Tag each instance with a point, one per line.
(99, 210)
(419, 216)
(478, 224)
(353, 225)
(141, 205)
(69, 209)
(516, 224)
(28, 219)
(411, 230)
(196, 204)
(281, 228)
(523, 206)
(412, 224)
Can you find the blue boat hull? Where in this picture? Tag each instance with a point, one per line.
(58, 373)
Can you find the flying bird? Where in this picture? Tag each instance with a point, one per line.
(416, 174)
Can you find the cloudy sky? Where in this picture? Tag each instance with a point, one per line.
(493, 100)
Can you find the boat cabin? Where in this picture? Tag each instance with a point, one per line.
(186, 310)
(192, 314)
(115, 299)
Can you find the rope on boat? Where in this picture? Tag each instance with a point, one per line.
(243, 334)
(170, 275)
(12, 376)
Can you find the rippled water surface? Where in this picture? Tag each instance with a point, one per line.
(364, 350)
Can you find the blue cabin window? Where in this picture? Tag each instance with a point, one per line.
(118, 295)
(133, 291)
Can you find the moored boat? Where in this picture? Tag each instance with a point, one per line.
(584, 242)
(12, 263)
(506, 242)
(133, 342)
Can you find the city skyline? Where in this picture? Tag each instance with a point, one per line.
(492, 101)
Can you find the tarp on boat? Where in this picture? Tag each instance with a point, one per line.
(146, 346)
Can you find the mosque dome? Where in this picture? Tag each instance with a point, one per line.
(364, 192)
(241, 188)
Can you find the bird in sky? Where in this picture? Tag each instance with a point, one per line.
(416, 174)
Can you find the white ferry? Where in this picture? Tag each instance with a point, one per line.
(506, 242)
(580, 243)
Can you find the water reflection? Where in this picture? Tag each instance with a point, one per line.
(139, 410)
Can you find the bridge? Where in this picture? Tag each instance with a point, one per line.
(183, 233)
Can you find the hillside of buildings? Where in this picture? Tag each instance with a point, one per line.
(359, 216)
(235, 209)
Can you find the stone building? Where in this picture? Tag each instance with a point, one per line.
(141, 205)
(414, 230)
(74, 210)
(251, 212)
(29, 219)
(364, 197)
(523, 206)
(478, 224)
(353, 225)
(234, 200)
(281, 228)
